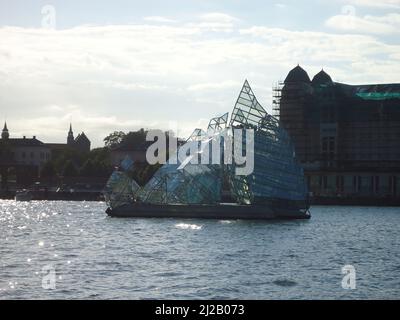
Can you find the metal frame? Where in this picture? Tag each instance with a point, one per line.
(277, 174)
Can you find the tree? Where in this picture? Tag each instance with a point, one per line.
(100, 154)
(104, 169)
(100, 163)
(114, 139)
(88, 169)
(69, 169)
(61, 158)
(135, 138)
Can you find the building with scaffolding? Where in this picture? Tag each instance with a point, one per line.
(347, 137)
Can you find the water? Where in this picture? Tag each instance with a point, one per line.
(97, 257)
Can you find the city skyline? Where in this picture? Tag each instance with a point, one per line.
(120, 66)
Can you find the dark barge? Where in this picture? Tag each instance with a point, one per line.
(205, 211)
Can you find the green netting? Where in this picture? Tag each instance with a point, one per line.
(370, 91)
(378, 95)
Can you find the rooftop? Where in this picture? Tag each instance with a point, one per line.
(23, 142)
(297, 74)
(322, 78)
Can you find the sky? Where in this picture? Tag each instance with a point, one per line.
(125, 64)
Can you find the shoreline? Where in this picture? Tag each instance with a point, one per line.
(328, 201)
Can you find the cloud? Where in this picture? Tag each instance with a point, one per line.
(214, 85)
(126, 85)
(317, 46)
(375, 3)
(387, 24)
(123, 77)
(159, 19)
(215, 22)
(218, 17)
(280, 5)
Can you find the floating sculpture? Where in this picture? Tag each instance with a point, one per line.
(199, 176)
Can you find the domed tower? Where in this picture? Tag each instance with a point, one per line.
(4, 134)
(70, 138)
(297, 75)
(322, 78)
(294, 111)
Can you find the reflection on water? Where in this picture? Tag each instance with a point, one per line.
(94, 256)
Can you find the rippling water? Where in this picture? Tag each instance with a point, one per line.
(97, 257)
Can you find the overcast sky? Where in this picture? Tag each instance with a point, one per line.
(123, 64)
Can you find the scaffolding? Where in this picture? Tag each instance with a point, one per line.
(276, 98)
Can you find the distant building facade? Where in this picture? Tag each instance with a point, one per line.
(347, 137)
(81, 143)
(24, 157)
(24, 151)
(21, 158)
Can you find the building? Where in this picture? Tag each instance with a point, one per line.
(21, 159)
(81, 143)
(347, 137)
